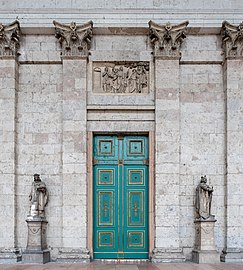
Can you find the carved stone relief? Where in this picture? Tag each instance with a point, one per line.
(167, 39)
(74, 39)
(232, 39)
(9, 39)
(127, 78)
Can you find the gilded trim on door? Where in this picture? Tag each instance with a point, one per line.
(120, 197)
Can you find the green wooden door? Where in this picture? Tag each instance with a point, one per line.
(120, 170)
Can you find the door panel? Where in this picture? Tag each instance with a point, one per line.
(120, 197)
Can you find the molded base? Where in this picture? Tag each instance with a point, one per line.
(210, 256)
(40, 257)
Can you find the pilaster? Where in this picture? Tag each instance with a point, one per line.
(9, 44)
(233, 82)
(166, 41)
(75, 41)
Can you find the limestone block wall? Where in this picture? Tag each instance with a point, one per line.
(233, 79)
(122, 13)
(36, 47)
(39, 147)
(8, 96)
(192, 109)
(121, 49)
(202, 144)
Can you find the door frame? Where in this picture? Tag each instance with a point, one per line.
(151, 186)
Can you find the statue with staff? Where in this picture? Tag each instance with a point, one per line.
(204, 194)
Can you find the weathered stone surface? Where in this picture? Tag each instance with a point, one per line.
(36, 257)
(193, 106)
(74, 158)
(36, 250)
(167, 39)
(205, 250)
(8, 97)
(205, 257)
(167, 153)
(9, 39)
(74, 39)
(201, 14)
(116, 78)
(162, 255)
(73, 255)
(232, 39)
(233, 77)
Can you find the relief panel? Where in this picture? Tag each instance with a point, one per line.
(121, 78)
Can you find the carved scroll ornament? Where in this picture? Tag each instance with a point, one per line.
(9, 39)
(167, 39)
(232, 39)
(74, 39)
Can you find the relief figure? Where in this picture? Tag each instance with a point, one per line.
(129, 78)
(106, 80)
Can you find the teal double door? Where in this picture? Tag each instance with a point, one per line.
(120, 221)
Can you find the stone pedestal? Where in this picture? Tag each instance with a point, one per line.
(205, 250)
(36, 250)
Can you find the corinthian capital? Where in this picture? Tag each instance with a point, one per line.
(74, 39)
(166, 39)
(9, 39)
(232, 39)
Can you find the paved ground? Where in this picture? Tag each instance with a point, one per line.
(142, 266)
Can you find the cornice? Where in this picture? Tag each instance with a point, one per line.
(120, 30)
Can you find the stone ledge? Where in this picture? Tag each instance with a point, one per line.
(120, 29)
(73, 255)
(9, 256)
(232, 256)
(120, 107)
(170, 256)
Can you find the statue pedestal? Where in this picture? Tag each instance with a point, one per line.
(36, 250)
(205, 250)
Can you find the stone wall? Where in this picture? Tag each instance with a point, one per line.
(204, 13)
(192, 105)
(39, 147)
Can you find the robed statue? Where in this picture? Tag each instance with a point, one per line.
(38, 197)
(204, 194)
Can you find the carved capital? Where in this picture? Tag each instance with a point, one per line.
(167, 39)
(74, 39)
(9, 39)
(232, 37)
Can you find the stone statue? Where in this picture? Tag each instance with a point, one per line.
(38, 197)
(204, 194)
